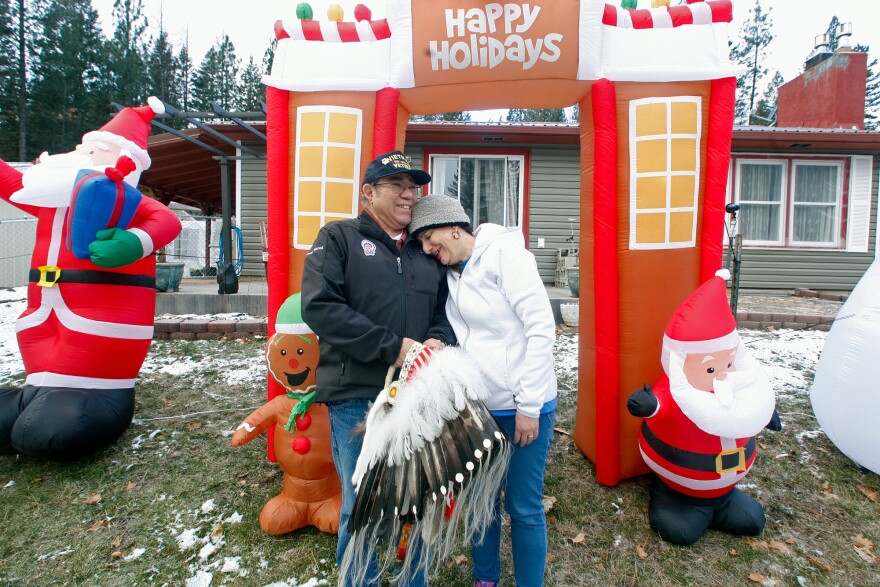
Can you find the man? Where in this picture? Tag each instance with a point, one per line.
(89, 322)
(700, 421)
(369, 292)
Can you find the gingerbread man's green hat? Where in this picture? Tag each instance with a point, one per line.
(289, 319)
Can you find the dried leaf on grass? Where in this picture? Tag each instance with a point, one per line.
(551, 557)
(194, 425)
(777, 546)
(548, 502)
(869, 493)
(457, 560)
(217, 532)
(117, 554)
(130, 485)
(103, 523)
(641, 552)
(865, 549)
(757, 578)
(822, 565)
(580, 538)
(93, 498)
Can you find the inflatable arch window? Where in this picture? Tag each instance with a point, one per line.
(656, 95)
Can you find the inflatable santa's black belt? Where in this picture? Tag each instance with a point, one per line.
(727, 461)
(48, 276)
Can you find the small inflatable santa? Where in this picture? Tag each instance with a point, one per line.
(89, 318)
(701, 418)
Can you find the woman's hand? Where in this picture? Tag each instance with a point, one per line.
(526, 430)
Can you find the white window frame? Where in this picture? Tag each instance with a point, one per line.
(782, 203)
(522, 173)
(835, 243)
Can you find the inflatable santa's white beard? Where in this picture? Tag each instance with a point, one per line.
(50, 183)
(741, 406)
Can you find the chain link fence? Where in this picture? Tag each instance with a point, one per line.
(197, 246)
(18, 236)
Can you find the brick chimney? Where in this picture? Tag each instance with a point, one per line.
(831, 91)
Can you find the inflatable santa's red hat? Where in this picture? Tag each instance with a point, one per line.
(703, 323)
(130, 129)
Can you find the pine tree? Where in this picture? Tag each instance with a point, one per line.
(216, 78)
(67, 93)
(537, 115)
(19, 27)
(765, 111)
(128, 53)
(443, 116)
(269, 56)
(9, 120)
(251, 90)
(872, 96)
(184, 66)
(162, 68)
(751, 51)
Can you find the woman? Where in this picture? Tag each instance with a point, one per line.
(502, 318)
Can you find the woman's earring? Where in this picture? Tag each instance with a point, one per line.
(455, 235)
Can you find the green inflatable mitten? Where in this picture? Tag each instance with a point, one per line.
(115, 247)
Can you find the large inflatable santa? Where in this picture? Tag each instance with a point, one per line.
(89, 318)
(701, 418)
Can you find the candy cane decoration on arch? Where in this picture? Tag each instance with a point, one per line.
(433, 456)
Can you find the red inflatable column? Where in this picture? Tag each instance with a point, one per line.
(277, 187)
(605, 279)
(718, 145)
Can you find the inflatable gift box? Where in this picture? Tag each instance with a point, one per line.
(100, 200)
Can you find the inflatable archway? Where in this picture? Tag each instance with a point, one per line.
(656, 95)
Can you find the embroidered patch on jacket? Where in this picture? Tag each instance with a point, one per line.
(369, 247)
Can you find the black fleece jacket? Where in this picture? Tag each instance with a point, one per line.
(361, 296)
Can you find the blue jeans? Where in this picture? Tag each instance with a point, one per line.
(345, 417)
(523, 495)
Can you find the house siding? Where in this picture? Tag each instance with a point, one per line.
(838, 270)
(554, 197)
(252, 210)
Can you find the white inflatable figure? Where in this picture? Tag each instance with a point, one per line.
(846, 390)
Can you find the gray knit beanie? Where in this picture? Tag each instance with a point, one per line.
(437, 210)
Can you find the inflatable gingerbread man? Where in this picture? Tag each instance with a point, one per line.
(311, 494)
(700, 423)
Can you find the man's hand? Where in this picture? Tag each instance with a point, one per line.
(435, 343)
(526, 430)
(642, 403)
(115, 247)
(404, 348)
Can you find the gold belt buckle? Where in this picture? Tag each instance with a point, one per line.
(740, 465)
(49, 275)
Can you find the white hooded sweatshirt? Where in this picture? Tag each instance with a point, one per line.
(502, 318)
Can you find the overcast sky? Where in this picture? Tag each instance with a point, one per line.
(249, 24)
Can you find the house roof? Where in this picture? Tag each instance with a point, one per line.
(189, 174)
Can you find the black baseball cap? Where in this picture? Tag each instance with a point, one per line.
(391, 164)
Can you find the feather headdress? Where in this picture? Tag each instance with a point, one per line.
(433, 457)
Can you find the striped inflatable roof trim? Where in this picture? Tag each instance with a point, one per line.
(334, 32)
(708, 12)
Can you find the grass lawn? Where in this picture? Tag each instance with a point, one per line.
(173, 503)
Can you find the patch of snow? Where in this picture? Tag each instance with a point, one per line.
(209, 549)
(313, 582)
(208, 506)
(231, 564)
(200, 579)
(10, 484)
(235, 518)
(135, 554)
(56, 554)
(187, 539)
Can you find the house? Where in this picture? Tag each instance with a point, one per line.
(645, 174)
